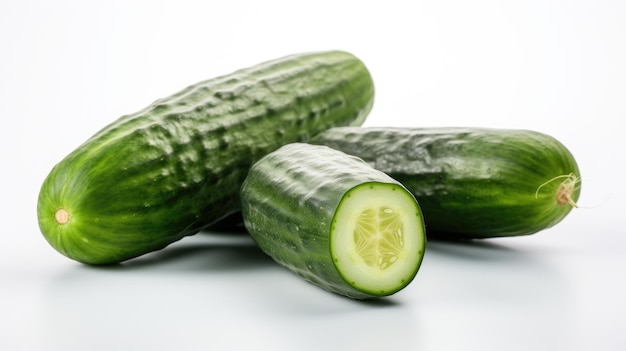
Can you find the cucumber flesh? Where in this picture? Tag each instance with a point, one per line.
(371, 239)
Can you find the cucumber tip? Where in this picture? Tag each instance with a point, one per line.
(62, 216)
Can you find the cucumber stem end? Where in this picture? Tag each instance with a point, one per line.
(565, 190)
(564, 193)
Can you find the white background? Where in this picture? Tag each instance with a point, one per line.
(67, 68)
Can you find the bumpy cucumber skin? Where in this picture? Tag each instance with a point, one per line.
(470, 182)
(289, 200)
(169, 170)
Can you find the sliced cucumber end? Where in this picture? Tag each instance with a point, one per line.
(377, 238)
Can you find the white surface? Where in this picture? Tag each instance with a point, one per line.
(67, 68)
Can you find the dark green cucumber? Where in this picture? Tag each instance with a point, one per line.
(169, 170)
(334, 220)
(472, 182)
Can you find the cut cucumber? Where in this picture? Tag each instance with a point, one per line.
(334, 220)
(371, 240)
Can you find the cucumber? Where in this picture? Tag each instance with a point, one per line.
(471, 182)
(334, 220)
(168, 171)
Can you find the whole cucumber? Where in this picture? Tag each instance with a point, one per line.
(471, 182)
(155, 176)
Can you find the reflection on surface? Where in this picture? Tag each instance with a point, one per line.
(221, 292)
(507, 294)
(498, 269)
(209, 292)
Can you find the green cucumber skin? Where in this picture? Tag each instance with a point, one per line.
(168, 171)
(470, 182)
(288, 202)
